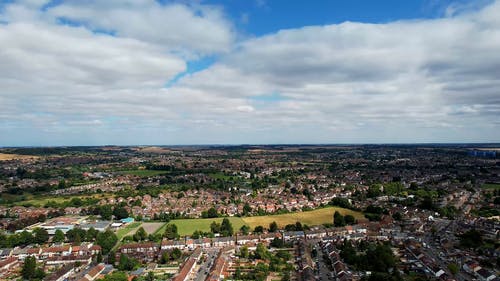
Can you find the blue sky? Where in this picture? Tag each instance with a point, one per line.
(261, 71)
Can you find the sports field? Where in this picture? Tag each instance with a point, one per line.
(314, 217)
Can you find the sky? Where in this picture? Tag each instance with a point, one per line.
(145, 72)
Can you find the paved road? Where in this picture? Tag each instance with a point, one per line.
(202, 271)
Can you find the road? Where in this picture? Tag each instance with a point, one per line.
(202, 270)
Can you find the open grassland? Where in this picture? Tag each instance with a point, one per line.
(130, 228)
(315, 217)
(188, 226)
(5, 157)
(143, 173)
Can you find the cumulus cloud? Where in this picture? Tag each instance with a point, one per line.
(93, 72)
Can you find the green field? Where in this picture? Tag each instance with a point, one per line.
(188, 226)
(491, 186)
(143, 173)
(314, 217)
(40, 201)
(120, 233)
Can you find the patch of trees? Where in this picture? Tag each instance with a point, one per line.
(296, 227)
(471, 239)
(374, 213)
(38, 236)
(224, 229)
(22, 223)
(171, 231)
(127, 263)
(210, 213)
(340, 202)
(30, 269)
(375, 257)
(170, 255)
(339, 220)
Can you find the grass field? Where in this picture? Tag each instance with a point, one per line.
(491, 186)
(5, 156)
(315, 217)
(188, 226)
(120, 233)
(40, 201)
(143, 173)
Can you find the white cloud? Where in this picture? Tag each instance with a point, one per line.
(421, 80)
(188, 29)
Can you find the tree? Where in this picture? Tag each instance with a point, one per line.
(244, 253)
(273, 227)
(150, 276)
(140, 234)
(127, 263)
(165, 257)
(29, 268)
(171, 231)
(261, 252)
(106, 240)
(120, 212)
(212, 213)
(58, 236)
(41, 235)
(30, 271)
(247, 209)
(26, 238)
(298, 226)
(176, 253)
(349, 219)
(226, 228)
(244, 229)
(106, 212)
(338, 219)
(259, 229)
(454, 268)
(471, 239)
(277, 243)
(91, 234)
(215, 227)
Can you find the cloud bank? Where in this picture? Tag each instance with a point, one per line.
(94, 72)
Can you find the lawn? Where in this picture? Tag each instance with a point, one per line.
(120, 233)
(188, 226)
(315, 217)
(143, 173)
(491, 186)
